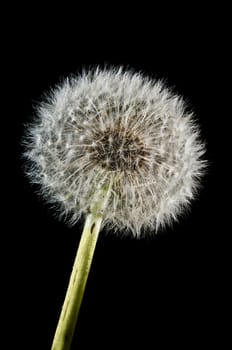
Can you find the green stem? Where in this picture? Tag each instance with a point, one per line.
(70, 310)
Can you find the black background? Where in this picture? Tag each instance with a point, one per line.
(168, 290)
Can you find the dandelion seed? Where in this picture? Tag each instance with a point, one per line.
(119, 149)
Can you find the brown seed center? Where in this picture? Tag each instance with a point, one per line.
(120, 150)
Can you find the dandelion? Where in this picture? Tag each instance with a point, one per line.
(120, 150)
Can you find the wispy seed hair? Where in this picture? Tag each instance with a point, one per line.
(116, 124)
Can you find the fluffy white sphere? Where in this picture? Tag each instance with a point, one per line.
(115, 123)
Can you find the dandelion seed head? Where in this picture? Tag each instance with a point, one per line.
(116, 124)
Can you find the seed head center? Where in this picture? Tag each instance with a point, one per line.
(120, 150)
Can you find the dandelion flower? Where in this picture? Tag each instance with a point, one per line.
(117, 125)
(117, 148)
